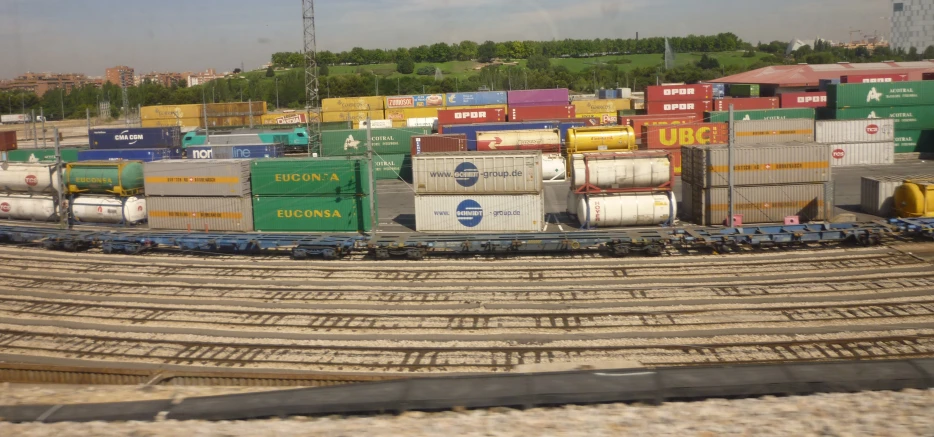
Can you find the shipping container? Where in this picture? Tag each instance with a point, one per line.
(927, 76)
(759, 164)
(608, 94)
(479, 213)
(172, 112)
(136, 138)
(29, 178)
(7, 141)
(852, 154)
(590, 139)
(557, 96)
(639, 121)
(606, 119)
(309, 176)
(469, 116)
(248, 151)
(673, 137)
(398, 124)
(40, 155)
(471, 129)
(477, 99)
(353, 117)
(880, 95)
(678, 93)
(375, 124)
(773, 131)
(353, 142)
(546, 140)
(227, 177)
(877, 193)
(27, 207)
(353, 104)
(803, 100)
(621, 171)
(758, 204)
(874, 78)
(601, 106)
(143, 155)
(744, 90)
(470, 108)
(405, 114)
(746, 104)
(311, 214)
(417, 101)
(696, 108)
(531, 113)
(180, 123)
(297, 118)
(910, 141)
(767, 114)
(630, 209)
(906, 117)
(825, 83)
(122, 178)
(201, 214)
(218, 122)
(429, 123)
(438, 143)
(238, 109)
(478, 173)
(719, 90)
(108, 209)
(854, 131)
(391, 167)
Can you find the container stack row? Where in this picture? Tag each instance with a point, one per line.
(202, 196)
(772, 182)
(194, 116)
(858, 142)
(29, 191)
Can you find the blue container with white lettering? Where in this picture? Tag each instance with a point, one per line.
(471, 129)
(236, 152)
(477, 99)
(136, 138)
(145, 155)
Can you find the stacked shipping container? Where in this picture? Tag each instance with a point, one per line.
(218, 115)
(858, 142)
(199, 195)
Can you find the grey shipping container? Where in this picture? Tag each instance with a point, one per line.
(758, 203)
(480, 213)
(222, 177)
(478, 173)
(877, 193)
(757, 164)
(773, 131)
(205, 214)
(846, 155)
(855, 131)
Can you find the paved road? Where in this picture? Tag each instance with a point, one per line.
(397, 204)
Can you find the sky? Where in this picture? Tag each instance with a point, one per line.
(87, 36)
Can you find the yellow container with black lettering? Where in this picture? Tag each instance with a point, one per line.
(915, 199)
(123, 178)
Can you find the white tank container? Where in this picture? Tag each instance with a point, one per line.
(554, 167)
(634, 209)
(28, 177)
(572, 203)
(622, 172)
(26, 207)
(106, 209)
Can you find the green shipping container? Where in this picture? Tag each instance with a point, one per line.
(353, 142)
(862, 95)
(311, 214)
(914, 141)
(309, 176)
(626, 112)
(389, 167)
(743, 90)
(39, 155)
(765, 114)
(906, 117)
(336, 125)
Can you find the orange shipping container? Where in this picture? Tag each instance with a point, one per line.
(685, 135)
(8, 140)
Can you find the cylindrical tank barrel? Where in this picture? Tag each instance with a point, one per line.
(621, 170)
(592, 139)
(915, 199)
(28, 178)
(25, 207)
(108, 209)
(123, 178)
(632, 209)
(554, 168)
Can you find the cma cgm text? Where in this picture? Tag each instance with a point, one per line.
(123, 137)
(307, 177)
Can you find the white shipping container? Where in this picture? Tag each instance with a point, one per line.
(483, 213)
(877, 130)
(774, 131)
(107, 209)
(376, 124)
(25, 207)
(421, 122)
(877, 193)
(846, 155)
(477, 173)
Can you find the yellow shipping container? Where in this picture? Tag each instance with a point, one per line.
(601, 106)
(330, 117)
(291, 118)
(605, 118)
(231, 121)
(236, 109)
(171, 112)
(399, 123)
(183, 122)
(469, 108)
(407, 113)
(350, 104)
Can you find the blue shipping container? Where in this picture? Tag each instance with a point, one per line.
(609, 94)
(825, 82)
(719, 90)
(471, 129)
(236, 152)
(137, 138)
(477, 99)
(199, 152)
(145, 155)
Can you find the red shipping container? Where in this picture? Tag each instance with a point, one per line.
(470, 116)
(439, 143)
(673, 137)
(746, 103)
(678, 93)
(638, 121)
(927, 76)
(697, 107)
(530, 113)
(803, 100)
(874, 78)
(7, 141)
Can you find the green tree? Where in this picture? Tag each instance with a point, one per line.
(405, 66)
(539, 62)
(486, 52)
(270, 72)
(467, 50)
(440, 52)
(708, 63)
(913, 54)
(324, 70)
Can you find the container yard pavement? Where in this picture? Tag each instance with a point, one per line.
(397, 204)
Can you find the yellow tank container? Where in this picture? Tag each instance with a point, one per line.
(353, 104)
(598, 139)
(915, 199)
(601, 106)
(166, 112)
(183, 122)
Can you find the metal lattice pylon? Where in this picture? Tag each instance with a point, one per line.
(312, 105)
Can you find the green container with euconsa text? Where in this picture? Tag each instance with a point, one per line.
(309, 176)
(311, 213)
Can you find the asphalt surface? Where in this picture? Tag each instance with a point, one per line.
(397, 204)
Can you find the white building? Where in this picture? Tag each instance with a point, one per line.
(912, 24)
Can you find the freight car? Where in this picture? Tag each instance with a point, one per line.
(294, 140)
